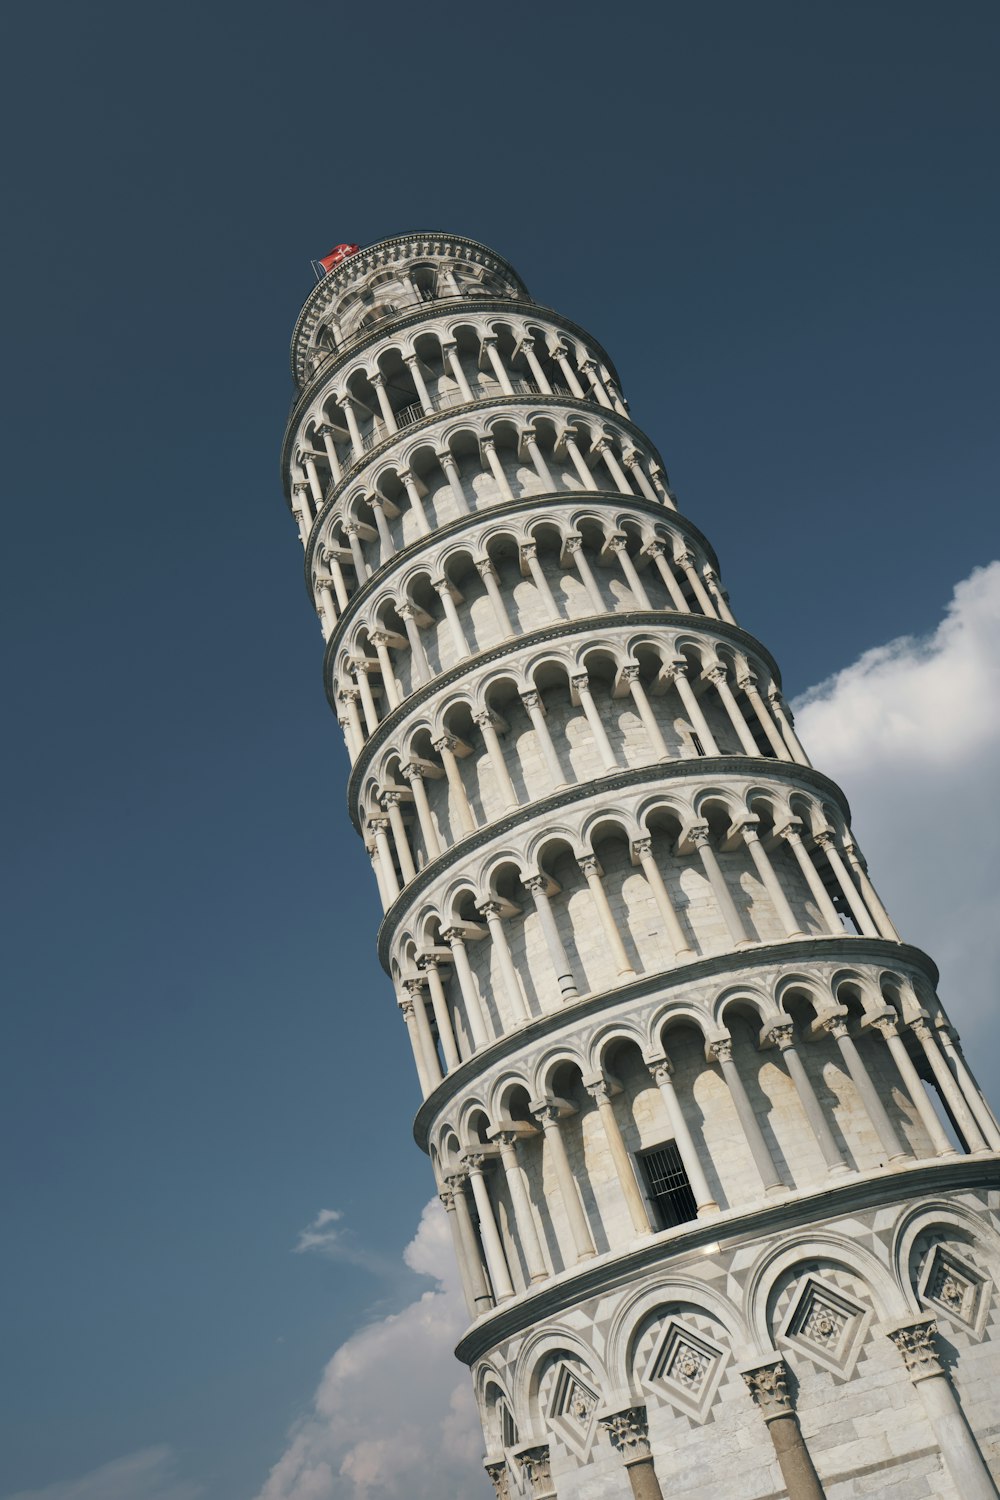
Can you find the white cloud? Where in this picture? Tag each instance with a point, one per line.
(393, 1415)
(145, 1475)
(912, 732)
(322, 1235)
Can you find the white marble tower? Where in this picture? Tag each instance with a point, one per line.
(722, 1188)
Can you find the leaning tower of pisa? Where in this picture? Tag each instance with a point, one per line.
(721, 1185)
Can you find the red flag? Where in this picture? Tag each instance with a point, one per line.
(336, 255)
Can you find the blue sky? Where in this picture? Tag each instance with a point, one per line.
(782, 222)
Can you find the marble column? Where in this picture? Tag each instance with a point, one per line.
(581, 687)
(642, 850)
(574, 546)
(494, 749)
(472, 1259)
(886, 1026)
(547, 1114)
(768, 1385)
(915, 1341)
(634, 1201)
(861, 1078)
(566, 984)
(524, 1217)
(698, 838)
(487, 573)
(950, 1090)
(593, 875)
(536, 713)
(628, 1432)
(658, 745)
(496, 1259)
(529, 556)
(445, 747)
(949, 1041)
(722, 1052)
(783, 1036)
(818, 891)
(519, 1011)
(537, 1469)
(660, 1070)
(678, 671)
(479, 1024)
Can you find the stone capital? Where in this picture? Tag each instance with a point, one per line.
(834, 1026)
(499, 1475)
(537, 1469)
(782, 1033)
(629, 1433)
(660, 1069)
(886, 1025)
(768, 1385)
(446, 1196)
(721, 1050)
(915, 1342)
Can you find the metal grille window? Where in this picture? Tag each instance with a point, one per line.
(667, 1183)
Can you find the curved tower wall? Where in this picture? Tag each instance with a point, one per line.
(721, 1185)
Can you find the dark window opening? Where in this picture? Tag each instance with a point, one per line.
(667, 1184)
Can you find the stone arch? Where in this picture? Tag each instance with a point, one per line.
(777, 1260)
(541, 1349)
(643, 1303)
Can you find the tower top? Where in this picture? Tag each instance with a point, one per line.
(358, 290)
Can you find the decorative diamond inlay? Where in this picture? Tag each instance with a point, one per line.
(573, 1411)
(827, 1325)
(685, 1369)
(951, 1286)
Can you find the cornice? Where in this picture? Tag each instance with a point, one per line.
(458, 527)
(727, 1231)
(426, 312)
(370, 257)
(388, 726)
(709, 768)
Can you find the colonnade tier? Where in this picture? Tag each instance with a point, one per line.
(465, 462)
(660, 1016)
(842, 1053)
(637, 876)
(418, 364)
(560, 706)
(596, 554)
(436, 267)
